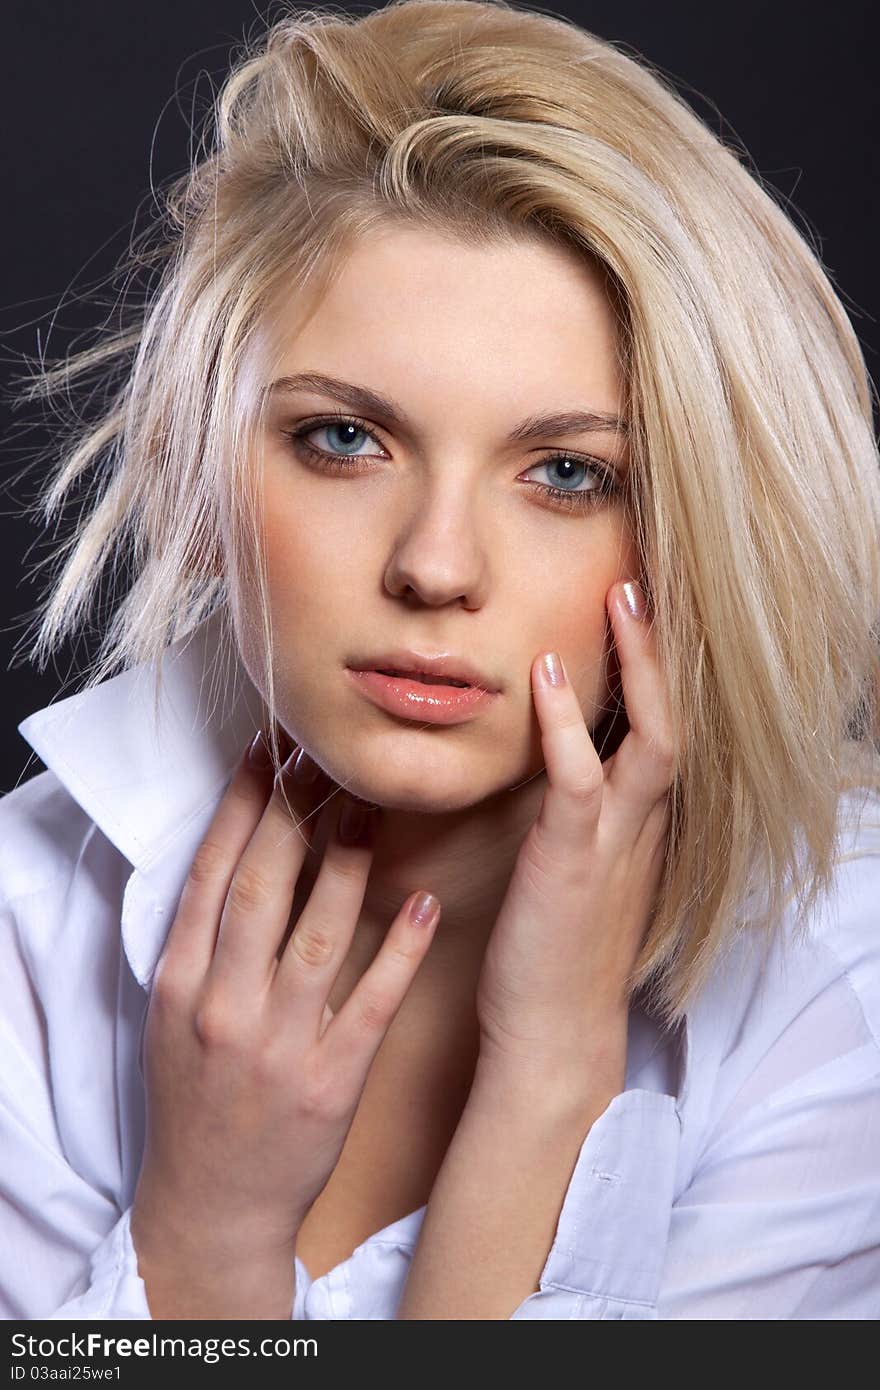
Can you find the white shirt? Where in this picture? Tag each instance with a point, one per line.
(736, 1176)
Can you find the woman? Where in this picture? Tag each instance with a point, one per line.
(546, 986)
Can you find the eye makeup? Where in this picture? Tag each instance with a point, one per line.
(605, 485)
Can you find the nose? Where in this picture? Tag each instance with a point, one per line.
(438, 556)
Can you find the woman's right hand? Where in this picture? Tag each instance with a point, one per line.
(252, 1083)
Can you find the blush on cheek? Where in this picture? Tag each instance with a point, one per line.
(585, 647)
(591, 663)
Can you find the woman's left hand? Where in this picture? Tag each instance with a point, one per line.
(552, 991)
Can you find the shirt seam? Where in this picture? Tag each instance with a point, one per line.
(16, 898)
(155, 855)
(845, 975)
(855, 994)
(59, 759)
(594, 1293)
(117, 1268)
(392, 1244)
(550, 1284)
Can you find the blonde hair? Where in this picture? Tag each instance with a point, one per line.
(755, 489)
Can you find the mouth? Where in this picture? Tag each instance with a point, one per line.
(431, 690)
(438, 670)
(421, 676)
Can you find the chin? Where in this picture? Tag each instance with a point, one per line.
(420, 804)
(421, 790)
(433, 801)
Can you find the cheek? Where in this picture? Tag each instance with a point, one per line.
(313, 573)
(566, 599)
(309, 591)
(580, 631)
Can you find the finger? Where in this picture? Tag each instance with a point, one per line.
(643, 766)
(321, 937)
(573, 798)
(256, 910)
(189, 946)
(356, 1033)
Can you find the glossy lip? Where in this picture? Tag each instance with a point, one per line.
(405, 662)
(415, 699)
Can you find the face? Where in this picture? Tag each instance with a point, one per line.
(429, 522)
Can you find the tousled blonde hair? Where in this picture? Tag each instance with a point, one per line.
(754, 480)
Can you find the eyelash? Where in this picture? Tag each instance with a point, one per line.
(607, 487)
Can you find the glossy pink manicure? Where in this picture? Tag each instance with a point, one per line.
(635, 599)
(423, 909)
(552, 669)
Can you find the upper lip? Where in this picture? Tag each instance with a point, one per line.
(413, 663)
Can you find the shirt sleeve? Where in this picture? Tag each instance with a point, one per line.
(780, 1218)
(115, 1289)
(607, 1257)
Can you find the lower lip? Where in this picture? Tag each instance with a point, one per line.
(412, 699)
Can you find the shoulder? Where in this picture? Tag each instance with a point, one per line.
(776, 1211)
(845, 927)
(42, 831)
(800, 1008)
(837, 941)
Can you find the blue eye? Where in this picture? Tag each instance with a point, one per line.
(569, 493)
(601, 480)
(345, 429)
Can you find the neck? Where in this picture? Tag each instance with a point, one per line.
(465, 858)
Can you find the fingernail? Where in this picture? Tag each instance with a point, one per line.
(353, 822)
(305, 769)
(424, 909)
(552, 668)
(259, 754)
(635, 599)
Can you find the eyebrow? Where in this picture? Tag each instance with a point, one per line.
(367, 402)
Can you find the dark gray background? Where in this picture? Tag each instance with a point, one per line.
(99, 101)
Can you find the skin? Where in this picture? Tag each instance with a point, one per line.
(440, 547)
(544, 858)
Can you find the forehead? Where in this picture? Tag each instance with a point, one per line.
(413, 311)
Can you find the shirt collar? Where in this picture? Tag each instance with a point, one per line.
(143, 781)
